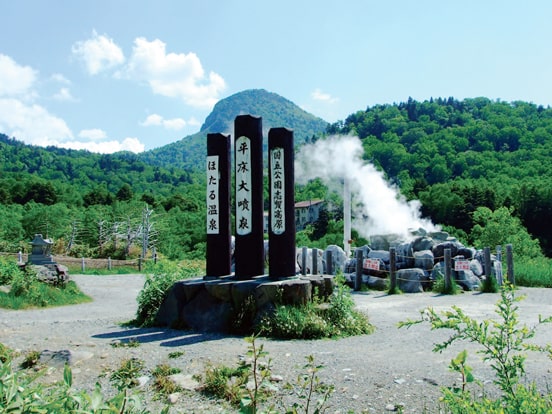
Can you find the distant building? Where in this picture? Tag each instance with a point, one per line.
(307, 212)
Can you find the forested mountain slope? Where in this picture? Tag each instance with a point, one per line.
(276, 111)
(454, 156)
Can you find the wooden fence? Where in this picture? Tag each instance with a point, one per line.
(84, 263)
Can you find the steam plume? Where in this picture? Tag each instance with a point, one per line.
(378, 207)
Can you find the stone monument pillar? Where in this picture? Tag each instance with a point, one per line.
(248, 152)
(218, 205)
(281, 222)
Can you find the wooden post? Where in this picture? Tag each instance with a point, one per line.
(139, 264)
(109, 263)
(304, 254)
(487, 260)
(359, 255)
(218, 206)
(392, 269)
(281, 218)
(314, 261)
(510, 264)
(499, 271)
(329, 262)
(448, 271)
(83, 265)
(248, 153)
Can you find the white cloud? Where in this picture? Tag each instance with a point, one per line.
(94, 134)
(318, 95)
(58, 77)
(98, 53)
(31, 124)
(64, 94)
(174, 124)
(15, 79)
(106, 147)
(173, 75)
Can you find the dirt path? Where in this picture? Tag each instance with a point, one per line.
(371, 373)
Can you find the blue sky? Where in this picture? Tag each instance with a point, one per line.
(110, 75)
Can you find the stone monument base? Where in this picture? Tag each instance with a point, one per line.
(211, 304)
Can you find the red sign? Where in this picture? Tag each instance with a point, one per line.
(373, 264)
(462, 265)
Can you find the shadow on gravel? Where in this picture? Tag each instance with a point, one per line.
(165, 337)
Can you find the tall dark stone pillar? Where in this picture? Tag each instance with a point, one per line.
(218, 205)
(248, 152)
(281, 221)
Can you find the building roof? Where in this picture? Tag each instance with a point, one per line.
(308, 203)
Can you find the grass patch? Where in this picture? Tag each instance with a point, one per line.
(439, 287)
(39, 295)
(334, 319)
(535, 272)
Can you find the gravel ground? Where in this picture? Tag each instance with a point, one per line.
(374, 373)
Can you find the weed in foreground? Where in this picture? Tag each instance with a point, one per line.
(22, 392)
(126, 376)
(503, 344)
(249, 385)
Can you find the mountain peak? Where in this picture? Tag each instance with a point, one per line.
(275, 110)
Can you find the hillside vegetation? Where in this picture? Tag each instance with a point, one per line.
(454, 156)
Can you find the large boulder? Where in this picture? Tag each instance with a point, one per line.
(439, 249)
(476, 267)
(411, 280)
(422, 243)
(339, 258)
(467, 280)
(423, 259)
(404, 256)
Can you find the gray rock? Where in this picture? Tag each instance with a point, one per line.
(184, 381)
(423, 259)
(476, 267)
(339, 258)
(422, 243)
(410, 280)
(467, 280)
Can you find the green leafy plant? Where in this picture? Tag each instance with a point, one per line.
(249, 385)
(336, 318)
(160, 278)
(126, 376)
(131, 343)
(8, 270)
(261, 388)
(23, 392)
(439, 286)
(32, 358)
(175, 354)
(162, 383)
(308, 386)
(224, 382)
(503, 344)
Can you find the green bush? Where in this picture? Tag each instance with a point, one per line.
(8, 270)
(160, 278)
(337, 318)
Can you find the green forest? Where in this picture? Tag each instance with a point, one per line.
(466, 161)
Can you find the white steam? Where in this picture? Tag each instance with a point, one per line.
(378, 207)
